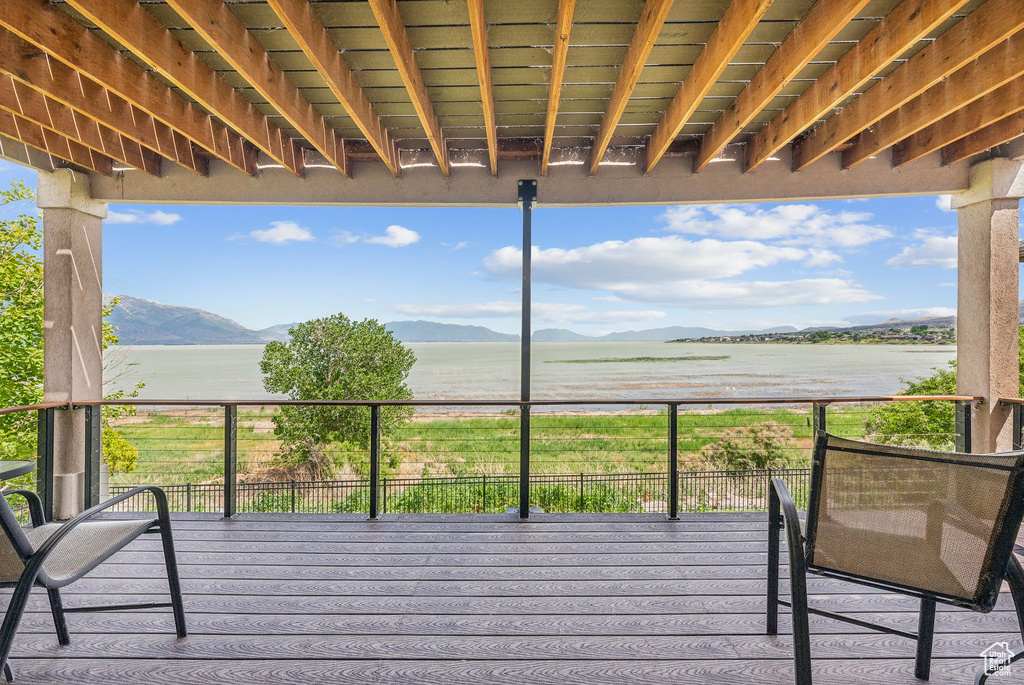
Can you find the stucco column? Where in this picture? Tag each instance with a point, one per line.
(72, 313)
(987, 297)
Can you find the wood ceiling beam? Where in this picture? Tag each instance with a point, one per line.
(739, 20)
(17, 98)
(32, 67)
(56, 33)
(217, 25)
(478, 27)
(397, 40)
(995, 106)
(907, 23)
(133, 26)
(306, 29)
(563, 27)
(32, 134)
(971, 37)
(648, 26)
(1002, 131)
(994, 69)
(818, 27)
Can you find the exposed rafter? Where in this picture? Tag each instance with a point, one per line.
(907, 23)
(17, 98)
(55, 32)
(30, 66)
(652, 18)
(974, 35)
(563, 28)
(21, 129)
(998, 133)
(397, 39)
(739, 20)
(218, 26)
(478, 26)
(819, 26)
(297, 16)
(997, 67)
(996, 106)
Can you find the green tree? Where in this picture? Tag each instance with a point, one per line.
(820, 336)
(335, 358)
(919, 329)
(926, 424)
(21, 317)
(757, 446)
(21, 334)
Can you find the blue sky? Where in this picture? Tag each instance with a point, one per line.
(596, 269)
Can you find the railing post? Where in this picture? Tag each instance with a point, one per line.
(188, 497)
(374, 458)
(484, 510)
(293, 495)
(1018, 426)
(384, 495)
(673, 461)
(963, 425)
(818, 422)
(44, 460)
(230, 459)
(93, 453)
(524, 462)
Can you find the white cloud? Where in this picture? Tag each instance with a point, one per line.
(137, 216)
(461, 245)
(395, 236)
(944, 202)
(546, 311)
(932, 251)
(282, 232)
(821, 257)
(342, 238)
(920, 313)
(794, 224)
(672, 270)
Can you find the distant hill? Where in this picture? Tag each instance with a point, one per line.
(431, 331)
(648, 334)
(145, 322)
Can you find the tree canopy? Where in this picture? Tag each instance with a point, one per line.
(335, 358)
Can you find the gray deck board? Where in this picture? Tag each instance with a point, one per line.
(561, 598)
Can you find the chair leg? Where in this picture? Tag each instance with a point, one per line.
(925, 635)
(59, 621)
(8, 672)
(19, 598)
(774, 528)
(173, 581)
(1015, 578)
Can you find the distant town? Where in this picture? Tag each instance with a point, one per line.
(918, 334)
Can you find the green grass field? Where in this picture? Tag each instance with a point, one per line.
(185, 446)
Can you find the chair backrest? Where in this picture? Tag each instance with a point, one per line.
(13, 544)
(940, 523)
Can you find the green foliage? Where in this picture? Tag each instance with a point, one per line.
(121, 456)
(21, 318)
(756, 446)
(926, 424)
(919, 329)
(335, 358)
(820, 336)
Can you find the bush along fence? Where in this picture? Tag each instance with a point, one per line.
(699, 491)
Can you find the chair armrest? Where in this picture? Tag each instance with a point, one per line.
(35, 505)
(790, 517)
(39, 556)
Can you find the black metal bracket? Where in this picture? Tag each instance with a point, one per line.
(230, 459)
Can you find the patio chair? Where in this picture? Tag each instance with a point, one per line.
(936, 526)
(53, 555)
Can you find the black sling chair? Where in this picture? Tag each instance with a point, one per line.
(52, 555)
(938, 526)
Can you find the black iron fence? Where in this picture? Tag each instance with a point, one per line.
(699, 491)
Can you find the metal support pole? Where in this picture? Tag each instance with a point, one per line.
(963, 425)
(818, 422)
(1018, 426)
(374, 459)
(673, 461)
(230, 459)
(527, 199)
(93, 453)
(44, 461)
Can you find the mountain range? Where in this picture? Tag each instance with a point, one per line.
(145, 322)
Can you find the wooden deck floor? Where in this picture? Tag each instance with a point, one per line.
(451, 599)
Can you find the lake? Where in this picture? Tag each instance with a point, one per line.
(491, 370)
